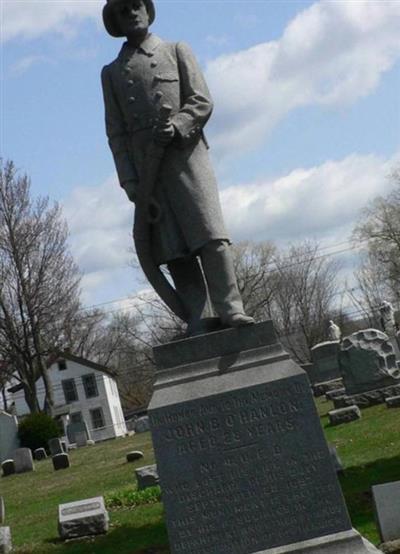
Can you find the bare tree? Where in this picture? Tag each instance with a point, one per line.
(256, 279)
(379, 227)
(303, 298)
(39, 281)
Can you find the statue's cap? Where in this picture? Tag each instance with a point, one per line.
(110, 22)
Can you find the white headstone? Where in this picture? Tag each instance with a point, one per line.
(23, 460)
(82, 518)
(5, 540)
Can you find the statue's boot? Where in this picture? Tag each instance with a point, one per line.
(191, 287)
(217, 262)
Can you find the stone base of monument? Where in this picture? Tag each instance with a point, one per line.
(347, 542)
(367, 398)
(242, 459)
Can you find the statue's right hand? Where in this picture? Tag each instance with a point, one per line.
(130, 189)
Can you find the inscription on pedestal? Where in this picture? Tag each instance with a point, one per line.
(246, 470)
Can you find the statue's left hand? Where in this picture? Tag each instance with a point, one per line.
(163, 133)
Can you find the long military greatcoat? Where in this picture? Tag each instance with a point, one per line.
(134, 86)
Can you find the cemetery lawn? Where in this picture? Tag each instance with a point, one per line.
(369, 449)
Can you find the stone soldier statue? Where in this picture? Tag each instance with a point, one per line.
(334, 332)
(388, 321)
(156, 106)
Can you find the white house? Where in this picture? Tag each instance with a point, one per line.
(89, 390)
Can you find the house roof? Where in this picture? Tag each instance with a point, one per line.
(62, 355)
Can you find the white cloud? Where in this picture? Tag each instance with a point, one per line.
(331, 54)
(27, 19)
(24, 64)
(320, 202)
(100, 221)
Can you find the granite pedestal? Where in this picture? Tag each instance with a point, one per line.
(243, 463)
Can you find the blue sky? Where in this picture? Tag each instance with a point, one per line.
(305, 130)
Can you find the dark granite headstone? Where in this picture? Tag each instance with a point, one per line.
(393, 402)
(8, 467)
(134, 456)
(39, 454)
(243, 463)
(60, 461)
(78, 427)
(142, 425)
(387, 510)
(55, 446)
(368, 362)
(344, 415)
(147, 476)
(325, 357)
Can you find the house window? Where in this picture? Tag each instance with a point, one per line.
(70, 392)
(62, 364)
(97, 418)
(76, 417)
(90, 385)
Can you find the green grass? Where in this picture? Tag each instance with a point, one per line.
(369, 449)
(32, 501)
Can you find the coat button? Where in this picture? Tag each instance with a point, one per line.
(153, 64)
(130, 83)
(131, 100)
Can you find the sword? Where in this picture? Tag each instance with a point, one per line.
(147, 212)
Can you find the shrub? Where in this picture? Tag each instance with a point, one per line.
(130, 497)
(35, 430)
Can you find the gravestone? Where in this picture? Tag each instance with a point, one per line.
(78, 427)
(8, 435)
(5, 540)
(332, 394)
(55, 446)
(64, 446)
(134, 456)
(147, 476)
(23, 460)
(83, 518)
(387, 510)
(367, 362)
(243, 462)
(8, 467)
(344, 415)
(335, 459)
(39, 454)
(142, 425)
(60, 461)
(393, 402)
(81, 439)
(2, 511)
(325, 357)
